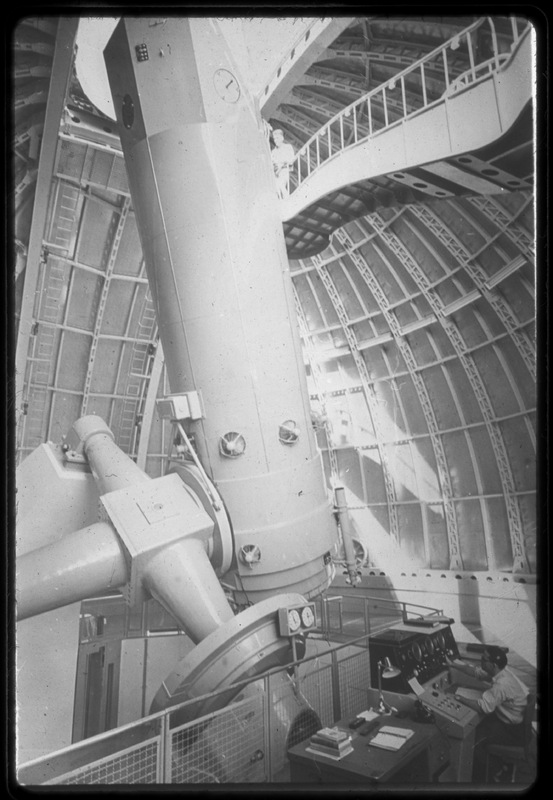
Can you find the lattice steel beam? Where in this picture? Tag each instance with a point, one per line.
(102, 302)
(297, 120)
(40, 364)
(520, 562)
(368, 390)
(112, 424)
(366, 315)
(509, 375)
(464, 429)
(323, 106)
(318, 381)
(383, 63)
(63, 328)
(464, 259)
(100, 272)
(141, 364)
(320, 104)
(360, 262)
(508, 224)
(354, 86)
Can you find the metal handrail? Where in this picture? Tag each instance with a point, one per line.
(155, 726)
(478, 71)
(367, 600)
(358, 116)
(402, 603)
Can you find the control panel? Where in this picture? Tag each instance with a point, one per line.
(452, 716)
(419, 652)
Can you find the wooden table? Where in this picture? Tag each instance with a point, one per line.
(415, 762)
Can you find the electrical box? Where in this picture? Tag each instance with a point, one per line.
(180, 406)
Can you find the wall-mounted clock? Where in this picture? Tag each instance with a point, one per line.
(226, 86)
(307, 617)
(296, 619)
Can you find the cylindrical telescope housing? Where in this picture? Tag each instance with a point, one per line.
(205, 200)
(111, 467)
(77, 566)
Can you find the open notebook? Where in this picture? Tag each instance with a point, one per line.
(390, 738)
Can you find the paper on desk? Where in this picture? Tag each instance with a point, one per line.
(368, 715)
(387, 741)
(415, 686)
(463, 692)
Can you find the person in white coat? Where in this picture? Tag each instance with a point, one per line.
(282, 156)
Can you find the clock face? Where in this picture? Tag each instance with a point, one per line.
(226, 86)
(307, 617)
(294, 620)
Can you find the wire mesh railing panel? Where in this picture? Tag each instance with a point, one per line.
(354, 680)
(291, 718)
(316, 688)
(136, 765)
(330, 615)
(351, 613)
(227, 747)
(354, 616)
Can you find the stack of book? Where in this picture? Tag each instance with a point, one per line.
(330, 742)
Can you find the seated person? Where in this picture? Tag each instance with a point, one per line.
(502, 704)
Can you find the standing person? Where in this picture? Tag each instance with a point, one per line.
(282, 156)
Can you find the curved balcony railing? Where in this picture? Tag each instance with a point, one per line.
(428, 80)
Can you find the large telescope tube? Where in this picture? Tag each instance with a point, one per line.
(203, 191)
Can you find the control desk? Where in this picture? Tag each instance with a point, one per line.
(419, 652)
(458, 722)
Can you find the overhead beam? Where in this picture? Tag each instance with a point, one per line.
(297, 61)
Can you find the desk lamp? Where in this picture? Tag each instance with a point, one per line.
(385, 670)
